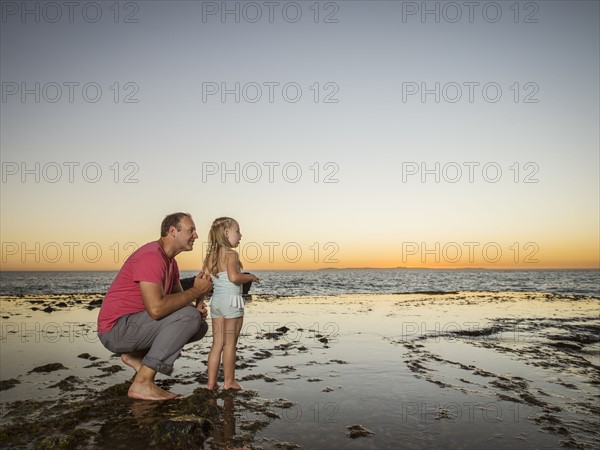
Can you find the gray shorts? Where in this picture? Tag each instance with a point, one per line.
(162, 340)
(220, 308)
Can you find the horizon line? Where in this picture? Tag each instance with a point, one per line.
(342, 268)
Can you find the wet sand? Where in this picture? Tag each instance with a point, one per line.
(464, 370)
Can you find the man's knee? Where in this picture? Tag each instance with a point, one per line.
(191, 318)
(200, 333)
(188, 313)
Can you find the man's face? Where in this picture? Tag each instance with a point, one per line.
(186, 235)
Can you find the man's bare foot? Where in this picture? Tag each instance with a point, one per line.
(234, 386)
(133, 361)
(149, 391)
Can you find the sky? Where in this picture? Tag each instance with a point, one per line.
(338, 134)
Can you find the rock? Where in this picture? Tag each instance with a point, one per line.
(478, 332)
(286, 369)
(272, 335)
(566, 346)
(68, 384)
(56, 442)
(262, 354)
(48, 368)
(112, 369)
(242, 365)
(117, 391)
(530, 399)
(286, 445)
(282, 403)
(253, 376)
(94, 304)
(96, 364)
(254, 426)
(182, 432)
(76, 439)
(7, 384)
(283, 347)
(356, 431)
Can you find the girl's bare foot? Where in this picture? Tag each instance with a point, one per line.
(234, 386)
(212, 386)
(149, 391)
(133, 361)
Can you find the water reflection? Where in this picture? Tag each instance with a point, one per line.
(144, 412)
(225, 427)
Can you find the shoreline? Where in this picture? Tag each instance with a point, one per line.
(474, 368)
(340, 282)
(349, 268)
(266, 297)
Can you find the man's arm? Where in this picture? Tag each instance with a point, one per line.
(200, 305)
(177, 288)
(158, 304)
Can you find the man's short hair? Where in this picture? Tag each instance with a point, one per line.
(172, 220)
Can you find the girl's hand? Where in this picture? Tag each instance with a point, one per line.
(254, 279)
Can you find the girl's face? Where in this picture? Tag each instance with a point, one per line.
(233, 234)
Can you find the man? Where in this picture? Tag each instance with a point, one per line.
(146, 316)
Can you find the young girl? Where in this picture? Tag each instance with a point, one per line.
(227, 303)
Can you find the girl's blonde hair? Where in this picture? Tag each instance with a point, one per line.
(217, 240)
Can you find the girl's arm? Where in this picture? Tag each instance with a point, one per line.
(233, 270)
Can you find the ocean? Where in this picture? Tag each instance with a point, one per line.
(338, 281)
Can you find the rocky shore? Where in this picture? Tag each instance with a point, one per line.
(431, 370)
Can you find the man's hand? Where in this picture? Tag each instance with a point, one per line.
(201, 306)
(159, 305)
(203, 283)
